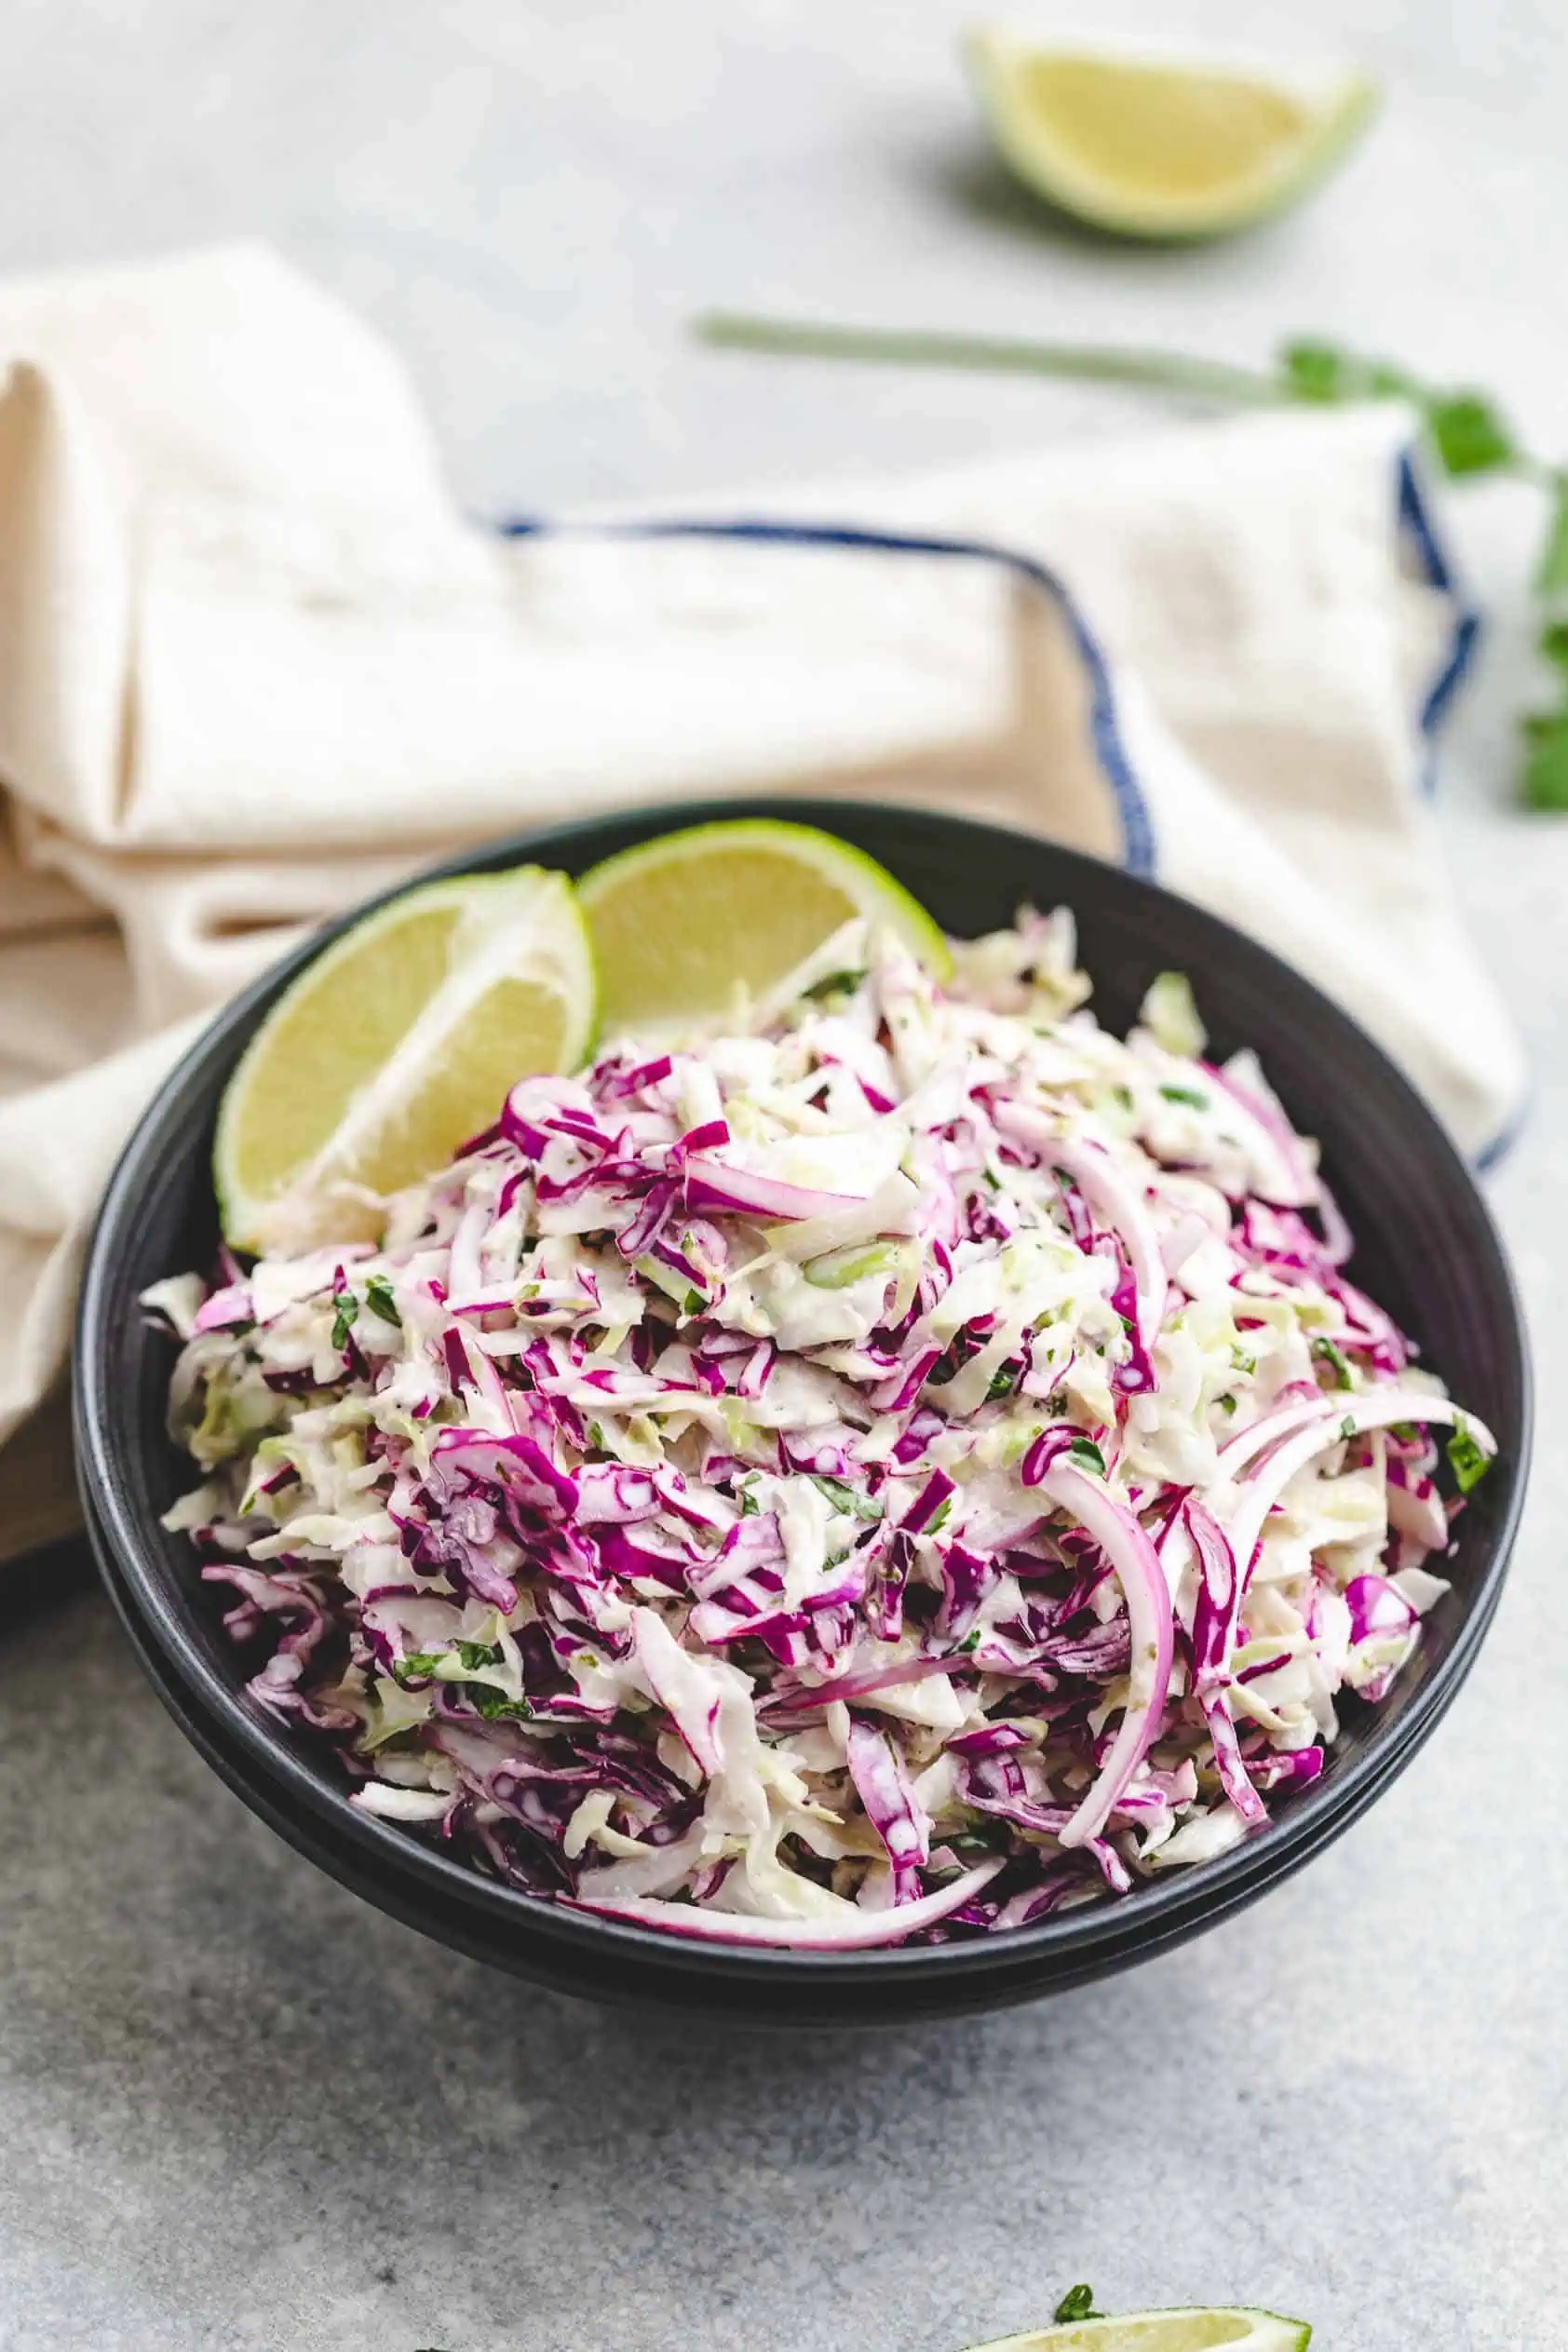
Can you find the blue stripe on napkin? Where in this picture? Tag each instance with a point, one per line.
(1132, 812)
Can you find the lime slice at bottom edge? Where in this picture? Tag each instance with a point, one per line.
(400, 1041)
(692, 927)
(1213, 2329)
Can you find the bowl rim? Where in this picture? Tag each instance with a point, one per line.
(1085, 1939)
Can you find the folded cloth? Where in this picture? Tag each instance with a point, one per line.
(253, 664)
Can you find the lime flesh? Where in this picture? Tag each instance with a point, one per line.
(1191, 2330)
(694, 927)
(397, 1043)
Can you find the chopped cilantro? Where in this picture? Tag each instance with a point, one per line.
(694, 1303)
(1002, 1382)
(1325, 1352)
(940, 1516)
(844, 1498)
(379, 1298)
(1467, 1461)
(833, 984)
(1087, 1455)
(970, 1643)
(1076, 2303)
(750, 1507)
(418, 1666)
(347, 1307)
(1226, 1404)
(494, 1706)
(1187, 1094)
(473, 1653)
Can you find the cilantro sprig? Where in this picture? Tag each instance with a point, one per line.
(1076, 2303)
(1466, 1459)
(1468, 430)
(346, 1308)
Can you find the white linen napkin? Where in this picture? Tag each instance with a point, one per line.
(254, 664)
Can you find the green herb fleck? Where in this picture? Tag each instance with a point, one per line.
(1546, 767)
(494, 1706)
(970, 1643)
(833, 984)
(695, 1302)
(1325, 1352)
(1241, 1361)
(347, 1307)
(750, 1507)
(1348, 1426)
(1087, 1455)
(845, 1499)
(1002, 1382)
(1076, 2303)
(1466, 1459)
(940, 1516)
(476, 1654)
(379, 1298)
(596, 1437)
(417, 1667)
(1226, 1404)
(1187, 1094)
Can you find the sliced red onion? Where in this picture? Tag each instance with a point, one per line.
(862, 1686)
(1348, 1416)
(222, 1308)
(1287, 1178)
(860, 1931)
(1142, 1578)
(1284, 1421)
(718, 1185)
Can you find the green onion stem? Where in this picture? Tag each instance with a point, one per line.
(1211, 379)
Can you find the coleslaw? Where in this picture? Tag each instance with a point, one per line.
(898, 1470)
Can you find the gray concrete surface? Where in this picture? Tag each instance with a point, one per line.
(240, 2110)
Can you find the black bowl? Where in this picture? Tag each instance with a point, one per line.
(1426, 1249)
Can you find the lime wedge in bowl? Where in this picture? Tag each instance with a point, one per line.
(1189, 2330)
(396, 1045)
(1163, 147)
(699, 924)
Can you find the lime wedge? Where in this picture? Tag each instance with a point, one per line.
(1185, 2331)
(694, 927)
(394, 1046)
(1155, 147)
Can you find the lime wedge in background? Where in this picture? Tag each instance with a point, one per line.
(695, 925)
(1155, 147)
(1185, 2331)
(394, 1046)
